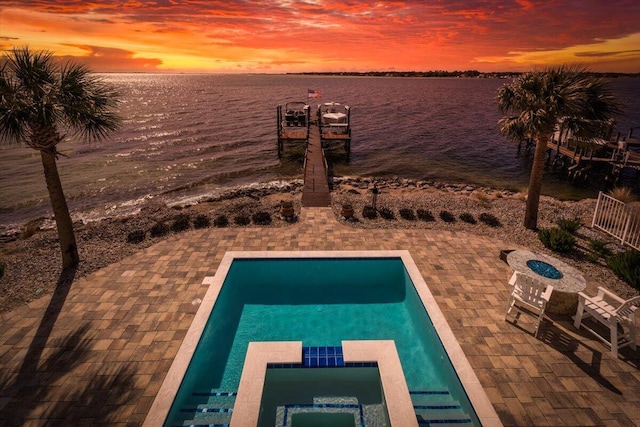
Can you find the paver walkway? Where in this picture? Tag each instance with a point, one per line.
(98, 350)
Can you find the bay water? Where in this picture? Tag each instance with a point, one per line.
(187, 136)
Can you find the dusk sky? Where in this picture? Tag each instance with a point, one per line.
(328, 35)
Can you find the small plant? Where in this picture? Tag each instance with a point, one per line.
(387, 214)
(369, 212)
(468, 218)
(626, 265)
(570, 225)
(407, 214)
(159, 229)
(181, 223)
(557, 239)
(489, 219)
(242, 220)
(483, 199)
(424, 215)
(222, 221)
(202, 221)
(447, 216)
(623, 194)
(29, 230)
(600, 247)
(136, 236)
(261, 218)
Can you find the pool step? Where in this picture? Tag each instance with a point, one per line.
(437, 407)
(325, 405)
(208, 408)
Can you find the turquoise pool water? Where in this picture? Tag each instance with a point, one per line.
(319, 302)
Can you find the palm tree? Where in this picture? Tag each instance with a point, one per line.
(41, 104)
(539, 100)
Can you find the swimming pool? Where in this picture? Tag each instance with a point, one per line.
(320, 299)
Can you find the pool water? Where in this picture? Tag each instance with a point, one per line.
(319, 301)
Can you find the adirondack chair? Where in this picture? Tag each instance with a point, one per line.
(613, 312)
(527, 296)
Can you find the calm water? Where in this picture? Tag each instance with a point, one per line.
(189, 135)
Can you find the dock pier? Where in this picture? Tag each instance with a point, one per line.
(296, 127)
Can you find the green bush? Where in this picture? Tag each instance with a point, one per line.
(159, 229)
(570, 225)
(222, 221)
(468, 218)
(369, 212)
(181, 223)
(202, 221)
(261, 218)
(387, 213)
(557, 239)
(489, 219)
(626, 265)
(407, 214)
(447, 216)
(136, 236)
(424, 215)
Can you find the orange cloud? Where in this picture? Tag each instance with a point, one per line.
(325, 35)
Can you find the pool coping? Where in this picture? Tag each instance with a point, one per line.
(470, 382)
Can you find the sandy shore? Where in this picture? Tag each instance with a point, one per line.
(33, 265)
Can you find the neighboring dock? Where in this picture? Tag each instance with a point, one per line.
(330, 129)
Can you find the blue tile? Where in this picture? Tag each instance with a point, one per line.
(313, 351)
(339, 361)
(322, 351)
(322, 361)
(331, 351)
(313, 362)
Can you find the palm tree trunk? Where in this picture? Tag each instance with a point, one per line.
(535, 184)
(64, 224)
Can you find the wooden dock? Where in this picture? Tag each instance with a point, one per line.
(315, 192)
(296, 127)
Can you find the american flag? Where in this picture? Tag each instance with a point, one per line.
(311, 93)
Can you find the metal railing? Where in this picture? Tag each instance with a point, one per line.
(618, 219)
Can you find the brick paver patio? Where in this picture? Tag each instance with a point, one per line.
(97, 351)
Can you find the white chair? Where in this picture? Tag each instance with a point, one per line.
(528, 296)
(612, 311)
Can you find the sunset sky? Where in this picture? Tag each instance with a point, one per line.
(328, 35)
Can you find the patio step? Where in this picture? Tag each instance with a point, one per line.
(437, 407)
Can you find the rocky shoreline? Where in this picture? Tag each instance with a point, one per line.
(32, 260)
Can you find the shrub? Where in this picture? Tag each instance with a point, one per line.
(557, 239)
(447, 216)
(570, 225)
(136, 236)
(623, 194)
(369, 212)
(181, 223)
(407, 214)
(159, 229)
(29, 230)
(489, 219)
(468, 218)
(387, 214)
(599, 247)
(202, 221)
(242, 220)
(261, 218)
(222, 221)
(626, 265)
(424, 215)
